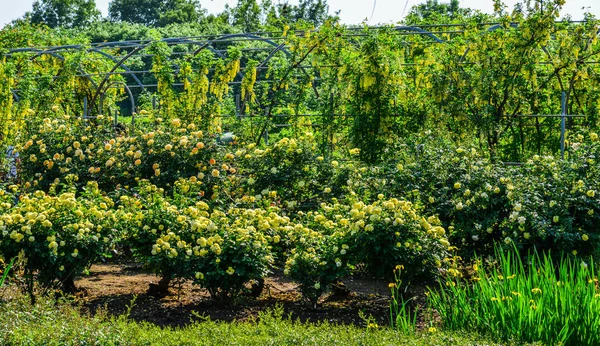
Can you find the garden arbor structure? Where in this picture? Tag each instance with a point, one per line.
(122, 59)
(96, 78)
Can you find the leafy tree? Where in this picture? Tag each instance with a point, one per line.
(64, 13)
(433, 11)
(489, 78)
(247, 15)
(155, 12)
(311, 11)
(181, 11)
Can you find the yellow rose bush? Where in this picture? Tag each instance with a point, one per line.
(293, 169)
(316, 261)
(161, 152)
(219, 251)
(150, 224)
(7, 198)
(457, 184)
(546, 203)
(389, 232)
(337, 237)
(229, 253)
(59, 236)
(279, 230)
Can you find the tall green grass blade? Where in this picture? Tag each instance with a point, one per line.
(6, 270)
(534, 300)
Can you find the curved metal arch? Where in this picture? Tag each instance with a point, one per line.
(230, 36)
(419, 31)
(207, 45)
(490, 29)
(500, 26)
(119, 44)
(278, 47)
(51, 52)
(560, 82)
(117, 65)
(131, 100)
(224, 38)
(137, 49)
(41, 52)
(515, 25)
(123, 66)
(204, 46)
(545, 50)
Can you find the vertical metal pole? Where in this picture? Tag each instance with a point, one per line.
(330, 133)
(85, 108)
(132, 122)
(237, 105)
(267, 136)
(153, 102)
(563, 112)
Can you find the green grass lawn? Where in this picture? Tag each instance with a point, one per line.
(51, 323)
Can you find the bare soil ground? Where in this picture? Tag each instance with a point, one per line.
(113, 288)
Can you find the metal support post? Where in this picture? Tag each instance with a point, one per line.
(85, 108)
(563, 113)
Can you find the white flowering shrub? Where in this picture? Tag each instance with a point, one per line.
(556, 203)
